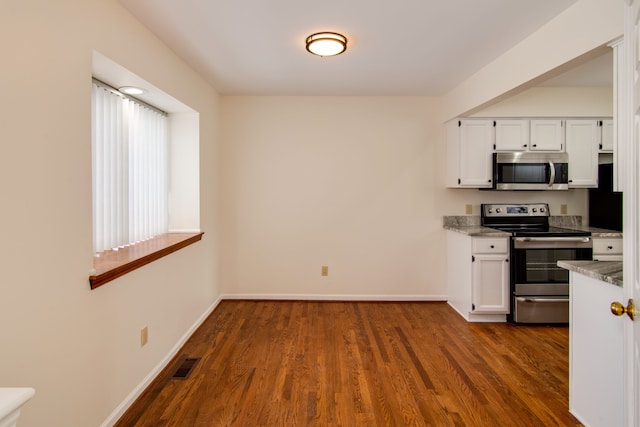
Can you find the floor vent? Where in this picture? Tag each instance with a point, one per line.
(185, 367)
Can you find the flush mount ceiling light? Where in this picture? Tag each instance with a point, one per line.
(131, 90)
(326, 44)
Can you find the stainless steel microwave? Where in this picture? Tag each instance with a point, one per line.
(530, 171)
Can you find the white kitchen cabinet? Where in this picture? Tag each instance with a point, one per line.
(469, 153)
(478, 276)
(546, 135)
(595, 353)
(606, 136)
(511, 135)
(582, 139)
(607, 248)
(490, 293)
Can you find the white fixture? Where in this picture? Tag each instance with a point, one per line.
(326, 44)
(132, 90)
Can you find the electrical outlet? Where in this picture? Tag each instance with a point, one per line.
(563, 209)
(144, 336)
(468, 209)
(325, 270)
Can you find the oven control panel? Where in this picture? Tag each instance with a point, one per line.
(515, 210)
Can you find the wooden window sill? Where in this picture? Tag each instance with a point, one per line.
(110, 265)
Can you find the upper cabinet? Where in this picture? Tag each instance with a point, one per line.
(547, 135)
(529, 135)
(472, 142)
(469, 153)
(583, 139)
(511, 134)
(606, 136)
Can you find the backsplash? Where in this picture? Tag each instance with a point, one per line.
(461, 221)
(474, 221)
(565, 221)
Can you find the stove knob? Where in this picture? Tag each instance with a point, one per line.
(542, 209)
(490, 210)
(498, 210)
(535, 210)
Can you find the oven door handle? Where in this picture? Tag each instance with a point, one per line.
(530, 299)
(586, 239)
(552, 175)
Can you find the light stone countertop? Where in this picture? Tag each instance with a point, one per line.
(597, 232)
(605, 271)
(470, 225)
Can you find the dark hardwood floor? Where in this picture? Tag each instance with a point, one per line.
(299, 363)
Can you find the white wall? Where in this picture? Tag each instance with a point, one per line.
(340, 181)
(80, 348)
(353, 183)
(563, 102)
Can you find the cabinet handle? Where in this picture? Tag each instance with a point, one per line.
(534, 145)
(492, 246)
(506, 260)
(609, 247)
(524, 145)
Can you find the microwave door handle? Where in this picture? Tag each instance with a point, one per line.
(552, 177)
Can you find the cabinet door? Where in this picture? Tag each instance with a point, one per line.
(512, 135)
(475, 155)
(606, 138)
(546, 135)
(490, 284)
(582, 148)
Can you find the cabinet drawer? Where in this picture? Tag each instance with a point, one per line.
(490, 246)
(607, 246)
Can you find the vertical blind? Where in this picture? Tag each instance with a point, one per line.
(130, 170)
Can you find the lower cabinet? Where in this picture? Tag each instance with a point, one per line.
(478, 276)
(595, 353)
(607, 248)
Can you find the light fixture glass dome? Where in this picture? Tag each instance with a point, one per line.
(132, 90)
(326, 44)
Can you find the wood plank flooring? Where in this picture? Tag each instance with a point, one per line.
(311, 363)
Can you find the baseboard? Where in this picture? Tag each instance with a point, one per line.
(328, 297)
(137, 391)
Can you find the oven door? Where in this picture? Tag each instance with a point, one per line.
(540, 289)
(535, 263)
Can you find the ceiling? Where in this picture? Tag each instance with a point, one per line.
(407, 47)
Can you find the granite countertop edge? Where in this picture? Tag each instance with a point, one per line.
(605, 271)
(477, 231)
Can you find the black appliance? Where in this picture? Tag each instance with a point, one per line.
(539, 289)
(530, 171)
(605, 205)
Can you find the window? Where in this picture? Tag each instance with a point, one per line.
(130, 169)
(140, 190)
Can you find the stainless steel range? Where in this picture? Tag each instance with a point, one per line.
(539, 288)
